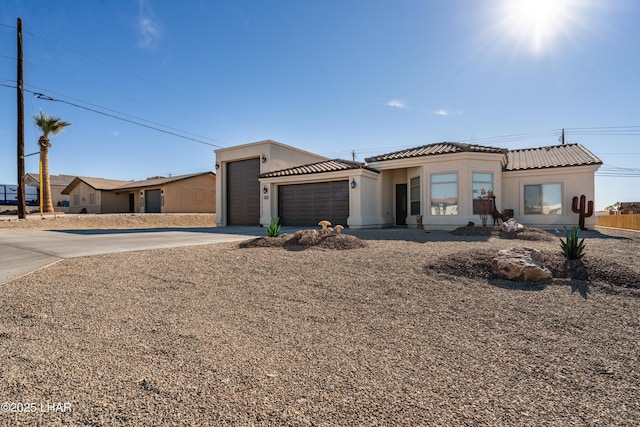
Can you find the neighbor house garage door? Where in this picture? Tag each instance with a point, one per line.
(308, 204)
(243, 192)
(152, 201)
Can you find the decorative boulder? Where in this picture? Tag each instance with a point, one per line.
(511, 226)
(312, 237)
(520, 264)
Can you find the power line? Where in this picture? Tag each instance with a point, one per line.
(123, 114)
(48, 98)
(618, 172)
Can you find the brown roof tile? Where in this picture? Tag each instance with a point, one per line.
(550, 157)
(318, 167)
(433, 149)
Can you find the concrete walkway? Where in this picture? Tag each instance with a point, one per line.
(27, 251)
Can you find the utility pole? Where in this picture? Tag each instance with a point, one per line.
(562, 136)
(353, 155)
(22, 207)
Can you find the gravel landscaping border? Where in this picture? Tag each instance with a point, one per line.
(399, 332)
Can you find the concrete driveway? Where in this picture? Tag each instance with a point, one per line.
(27, 251)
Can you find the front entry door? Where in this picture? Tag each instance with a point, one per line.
(401, 204)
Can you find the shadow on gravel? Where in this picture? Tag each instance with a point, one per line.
(579, 286)
(413, 235)
(243, 231)
(597, 234)
(519, 286)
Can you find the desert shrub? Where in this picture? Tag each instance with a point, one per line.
(273, 230)
(572, 248)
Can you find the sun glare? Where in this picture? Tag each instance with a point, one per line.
(538, 23)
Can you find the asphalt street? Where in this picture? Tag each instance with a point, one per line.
(27, 251)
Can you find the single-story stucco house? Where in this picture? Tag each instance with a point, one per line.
(194, 193)
(58, 183)
(436, 184)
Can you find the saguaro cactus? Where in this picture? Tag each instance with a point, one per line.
(585, 209)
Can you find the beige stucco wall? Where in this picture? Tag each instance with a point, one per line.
(575, 181)
(111, 202)
(193, 195)
(95, 201)
(463, 164)
(364, 200)
(278, 156)
(81, 197)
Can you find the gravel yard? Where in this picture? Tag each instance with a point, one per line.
(110, 221)
(408, 330)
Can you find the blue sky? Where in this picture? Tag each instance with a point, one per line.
(325, 76)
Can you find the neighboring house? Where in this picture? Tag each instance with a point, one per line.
(629, 208)
(194, 193)
(58, 183)
(95, 195)
(436, 183)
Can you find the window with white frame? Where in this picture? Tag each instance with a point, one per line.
(481, 181)
(414, 183)
(444, 194)
(543, 199)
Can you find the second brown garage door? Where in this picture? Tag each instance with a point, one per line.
(308, 204)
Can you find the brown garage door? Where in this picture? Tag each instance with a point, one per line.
(243, 192)
(308, 204)
(152, 201)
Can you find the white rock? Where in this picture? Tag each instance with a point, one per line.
(511, 226)
(520, 264)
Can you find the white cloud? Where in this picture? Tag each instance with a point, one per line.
(396, 104)
(444, 112)
(149, 28)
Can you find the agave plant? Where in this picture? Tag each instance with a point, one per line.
(273, 230)
(571, 247)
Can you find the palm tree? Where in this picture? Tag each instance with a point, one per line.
(49, 125)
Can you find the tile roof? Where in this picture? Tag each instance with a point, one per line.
(437, 148)
(319, 167)
(550, 157)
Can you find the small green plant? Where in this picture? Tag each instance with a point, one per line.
(273, 230)
(572, 248)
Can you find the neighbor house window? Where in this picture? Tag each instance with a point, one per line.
(92, 198)
(76, 199)
(543, 199)
(415, 195)
(444, 194)
(481, 181)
